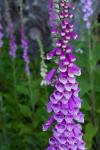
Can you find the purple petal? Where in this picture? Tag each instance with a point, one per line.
(50, 76)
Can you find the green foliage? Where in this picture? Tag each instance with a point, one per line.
(90, 132)
(90, 90)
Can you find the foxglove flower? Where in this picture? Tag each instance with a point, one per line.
(52, 16)
(49, 76)
(43, 72)
(13, 45)
(24, 42)
(87, 8)
(1, 33)
(43, 66)
(25, 56)
(64, 102)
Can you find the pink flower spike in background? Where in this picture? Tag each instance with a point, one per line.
(1, 31)
(24, 42)
(1, 34)
(12, 38)
(25, 52)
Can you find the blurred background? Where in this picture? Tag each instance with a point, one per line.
(22, 101)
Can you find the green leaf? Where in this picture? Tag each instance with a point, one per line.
(22, 89)
(96, 53)
(84, 84)
(24, 128)
(25, 111)
(85, 105)
(90, 132)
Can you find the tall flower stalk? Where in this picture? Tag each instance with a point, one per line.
(64, 102)
(12, 44)
(24, 42)
(24, 45)
(12, 50)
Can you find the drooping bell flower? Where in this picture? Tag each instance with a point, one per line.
(50, 76)
(48, 124)
(64, 102)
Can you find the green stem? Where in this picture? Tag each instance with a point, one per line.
(31, 93)
(95, 119)
(3, 116)
(91, 76)
(14, 78)
(14, 88)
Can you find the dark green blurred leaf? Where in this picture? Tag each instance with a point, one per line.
(90, 132)
(25, 111)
